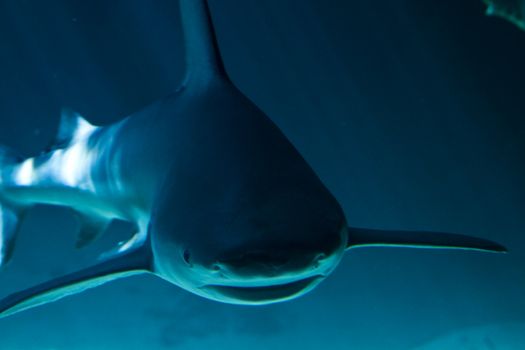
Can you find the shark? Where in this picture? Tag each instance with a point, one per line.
(511, 10)
(222, 204)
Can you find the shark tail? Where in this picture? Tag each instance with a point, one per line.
(360, 237)
(10, 214)
(136, 261)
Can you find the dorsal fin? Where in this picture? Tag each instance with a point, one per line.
(203, 60)
(72, 126)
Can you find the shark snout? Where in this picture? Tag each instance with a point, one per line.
(268, 264)
(280, 261)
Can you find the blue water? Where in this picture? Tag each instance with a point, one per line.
(411, 112)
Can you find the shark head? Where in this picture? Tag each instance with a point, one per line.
(249, 244)
(241, 217)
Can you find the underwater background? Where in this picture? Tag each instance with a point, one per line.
(411, 112)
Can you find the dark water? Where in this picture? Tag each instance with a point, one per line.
(412, 113)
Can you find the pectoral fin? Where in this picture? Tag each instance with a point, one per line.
(129, 263)
(360, 237)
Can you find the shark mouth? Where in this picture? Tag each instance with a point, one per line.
(265, 294)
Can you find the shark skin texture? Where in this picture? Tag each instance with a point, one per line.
(222, 203)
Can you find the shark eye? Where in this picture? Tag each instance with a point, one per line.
(186, 257)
